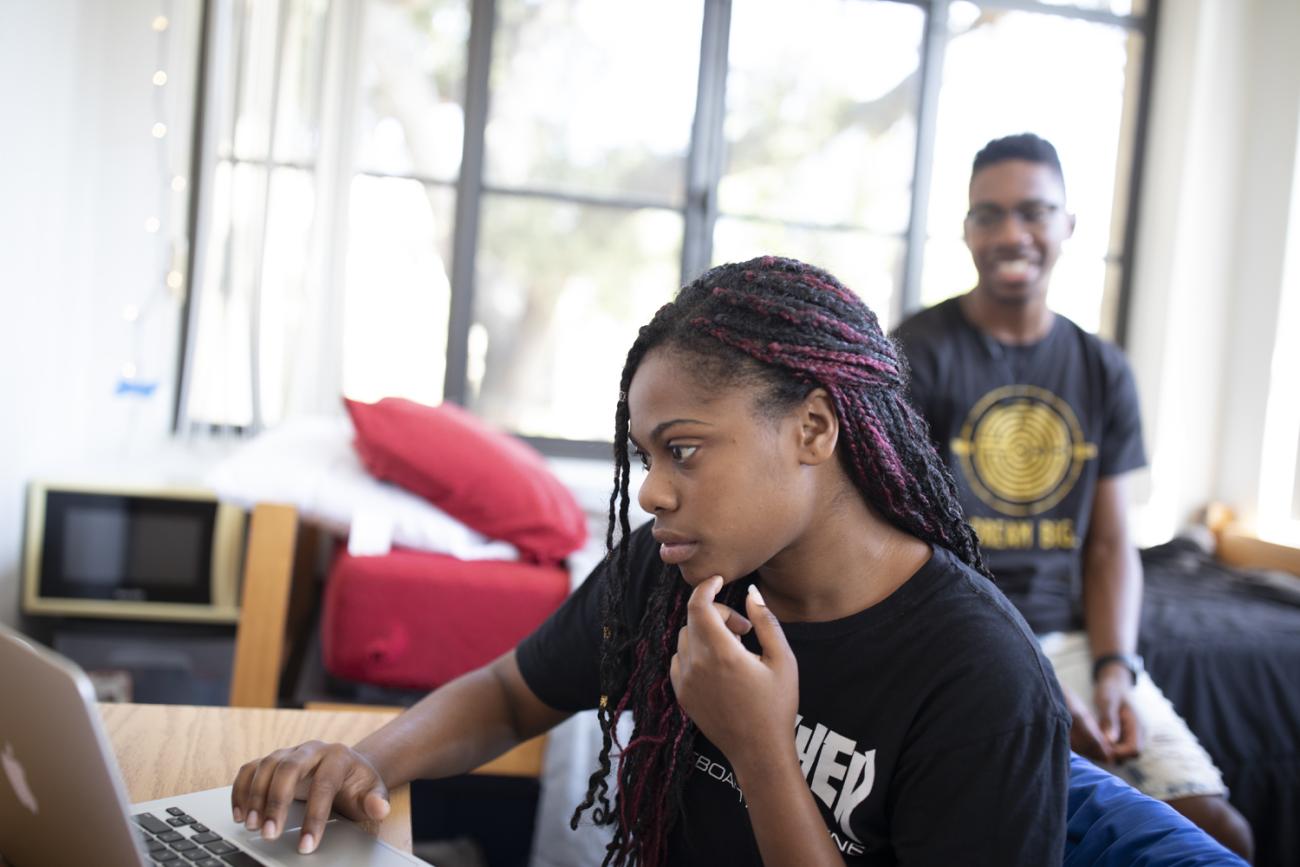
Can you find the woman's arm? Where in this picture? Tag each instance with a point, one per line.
(788, 825)
(453, 730)
(746, 705)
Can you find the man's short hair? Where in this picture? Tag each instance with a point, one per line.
(1023, 146)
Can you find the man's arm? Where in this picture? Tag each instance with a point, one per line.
(1112, 608)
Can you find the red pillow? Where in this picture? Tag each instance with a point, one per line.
(487, 480)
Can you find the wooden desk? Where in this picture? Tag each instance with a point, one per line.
(166, 750)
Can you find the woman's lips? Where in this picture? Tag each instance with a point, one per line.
(675, 553)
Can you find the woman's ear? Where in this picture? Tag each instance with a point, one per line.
(819, 427)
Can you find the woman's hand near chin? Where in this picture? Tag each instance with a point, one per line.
(744, 703)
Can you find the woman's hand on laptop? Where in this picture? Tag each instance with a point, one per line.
(326, 776)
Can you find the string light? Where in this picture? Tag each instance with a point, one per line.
(132, 380)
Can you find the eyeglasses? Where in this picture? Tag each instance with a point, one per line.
(1032, 213)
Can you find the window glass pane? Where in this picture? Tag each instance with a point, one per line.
(1295, 498)
(561, 290)
(1108, 315)
(947, 269)
(398, 292)
(255, 71)
(284, 303)
(821, 112)
(1077, 289)
(1074, 85)
(220, 388)
(255, 47)
(1117, 7)
(867, 264)
(410, 116)
(302, 71)
(593, 96)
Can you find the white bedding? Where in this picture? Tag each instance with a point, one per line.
(309, 463)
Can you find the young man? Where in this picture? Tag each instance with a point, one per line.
(1038, 421)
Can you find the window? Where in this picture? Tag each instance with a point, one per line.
(820, 144)
(482, 200)
(581, 225)
(260, 207)
(1081, 78)
(1278, 506)
(407, 130)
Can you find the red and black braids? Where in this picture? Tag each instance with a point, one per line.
(788, 328)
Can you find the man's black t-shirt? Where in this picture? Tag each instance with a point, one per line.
(1027, 432)
(930, 729)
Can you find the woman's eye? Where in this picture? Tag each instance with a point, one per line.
(681, 453)
(642, 457)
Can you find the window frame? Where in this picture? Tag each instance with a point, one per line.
(704, 168)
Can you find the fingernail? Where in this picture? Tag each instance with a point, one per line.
(251, 822)
(758, 597)
(307, 844)
(239, 815)
(268, 830)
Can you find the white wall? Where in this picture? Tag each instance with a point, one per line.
(1211, 247)
(1268, 159)
(79, 176)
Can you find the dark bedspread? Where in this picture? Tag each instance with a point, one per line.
(1224, 645)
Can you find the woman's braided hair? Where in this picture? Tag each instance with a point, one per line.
(788, 328)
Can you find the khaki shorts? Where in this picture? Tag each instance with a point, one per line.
(1172, 764)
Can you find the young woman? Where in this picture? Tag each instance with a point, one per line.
(878, 701)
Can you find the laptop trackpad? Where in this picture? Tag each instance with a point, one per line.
(343, 843)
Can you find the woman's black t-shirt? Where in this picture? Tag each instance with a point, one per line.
(930, 729)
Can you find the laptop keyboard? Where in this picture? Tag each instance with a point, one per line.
(175, 839)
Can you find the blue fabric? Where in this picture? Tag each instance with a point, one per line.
(1111, 824)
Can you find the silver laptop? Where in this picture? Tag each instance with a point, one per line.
(62, 800)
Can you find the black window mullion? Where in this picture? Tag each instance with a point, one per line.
(212, 36)
(1124, 307)
(469, 191)
(927, 116)
(704, 159)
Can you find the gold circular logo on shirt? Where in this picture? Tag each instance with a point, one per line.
(1022, 449)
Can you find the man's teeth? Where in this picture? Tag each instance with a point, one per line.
(1013, 268)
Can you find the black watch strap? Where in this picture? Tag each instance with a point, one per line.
(1131, 661)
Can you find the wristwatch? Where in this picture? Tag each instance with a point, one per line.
(1131, 661)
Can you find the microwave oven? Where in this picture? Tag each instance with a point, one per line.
(131, 553)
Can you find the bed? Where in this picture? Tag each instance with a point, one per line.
(1223, 642)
